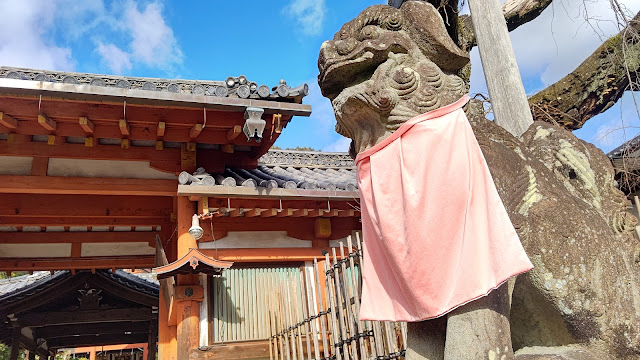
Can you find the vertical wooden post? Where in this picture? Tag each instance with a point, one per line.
(188, 329)
(92, 354)
(15, 344)
(149, 351)
(167, 344)
(508, 99)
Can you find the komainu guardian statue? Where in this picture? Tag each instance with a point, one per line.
(581, 300)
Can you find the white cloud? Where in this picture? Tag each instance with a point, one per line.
(25, 36)
(340, 145)
(153, 42)
(39, 34)
(309, 15)
(114, 57)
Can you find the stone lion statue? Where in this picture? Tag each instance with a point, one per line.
(582, 299)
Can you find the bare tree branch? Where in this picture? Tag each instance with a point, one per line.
(519, 12)
(516, 13)
(595, 85)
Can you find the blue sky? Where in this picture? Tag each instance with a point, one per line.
(270, 40)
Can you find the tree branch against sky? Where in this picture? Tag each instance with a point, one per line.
(594, 86)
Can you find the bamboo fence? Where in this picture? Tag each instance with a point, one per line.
(306, 325)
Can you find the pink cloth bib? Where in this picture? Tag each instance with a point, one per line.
(436, 234)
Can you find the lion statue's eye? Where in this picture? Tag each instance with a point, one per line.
(369, 32)
(392, 22)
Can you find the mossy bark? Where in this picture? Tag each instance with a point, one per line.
(595, 85)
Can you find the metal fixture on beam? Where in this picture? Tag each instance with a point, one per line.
(254, 124)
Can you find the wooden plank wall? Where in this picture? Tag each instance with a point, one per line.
(241, 302)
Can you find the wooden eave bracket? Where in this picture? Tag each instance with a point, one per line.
(194, 262)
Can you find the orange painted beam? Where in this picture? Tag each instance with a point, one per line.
(39, 167)
(265, 254)
(134, 131)
(167, 160)
(84, 263)
(167, 345)
(34, 220)
(299, 228)
(86, 349)
(85, 185)
(76, 237)
(248, 203)
(186, 242)
(85, 205)
(67, 110)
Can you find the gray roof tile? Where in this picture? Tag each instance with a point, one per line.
(233, 87)
(288, 169)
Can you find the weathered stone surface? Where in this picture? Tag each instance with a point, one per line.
(560, 353)
(582, 299)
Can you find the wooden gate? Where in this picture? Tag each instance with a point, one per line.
(314, 314)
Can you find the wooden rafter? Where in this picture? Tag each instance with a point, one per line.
(195, 131)
(160, 129)
(234, 132)
(125, 129)
(299, 228)
(262, 193)
(271, 203)
(266, 255)
(86, 125)
(46, 122)
(8, 121)
(210, 135)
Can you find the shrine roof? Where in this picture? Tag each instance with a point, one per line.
(629, 148)
(286, 169)
(20, 287)
(67, 307)
(232, 87)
